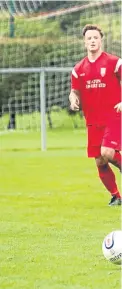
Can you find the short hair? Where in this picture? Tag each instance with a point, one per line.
(92, 27)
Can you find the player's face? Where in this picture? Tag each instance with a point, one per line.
(93, 40)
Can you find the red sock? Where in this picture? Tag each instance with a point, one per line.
(117, 160)
(108, 179)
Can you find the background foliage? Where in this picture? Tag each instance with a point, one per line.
(53, 41)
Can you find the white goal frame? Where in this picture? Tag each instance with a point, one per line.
(41, 71)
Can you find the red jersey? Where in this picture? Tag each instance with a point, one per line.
(99, 86)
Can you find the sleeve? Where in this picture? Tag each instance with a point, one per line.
(118, 69)
(75, 84)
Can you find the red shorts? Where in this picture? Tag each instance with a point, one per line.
(107, 136)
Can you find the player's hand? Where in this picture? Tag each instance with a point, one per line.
(74, 104)
(118, 107)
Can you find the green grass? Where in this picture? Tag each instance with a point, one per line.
(53, 215)
(31, 121)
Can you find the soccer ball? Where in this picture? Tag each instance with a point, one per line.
(112, 247)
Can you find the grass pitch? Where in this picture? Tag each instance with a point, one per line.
(53, 215)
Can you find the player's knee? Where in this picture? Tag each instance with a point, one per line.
(107, 153)
(100, 161)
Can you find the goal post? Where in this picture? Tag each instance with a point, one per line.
(42, 93)
(43, 110)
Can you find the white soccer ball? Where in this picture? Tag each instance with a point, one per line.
(112, 247)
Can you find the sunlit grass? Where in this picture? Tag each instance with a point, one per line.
(54, 215)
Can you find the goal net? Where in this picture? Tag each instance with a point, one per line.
(47, 34)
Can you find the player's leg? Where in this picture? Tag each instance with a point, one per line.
(95, 137)
(111, 143)
(110, 148)
(107, 177)
(114, 157)
(117, 160)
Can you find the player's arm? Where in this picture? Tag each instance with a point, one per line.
(74, 99)
(118, 107)
(74, 96)
(118, 69)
